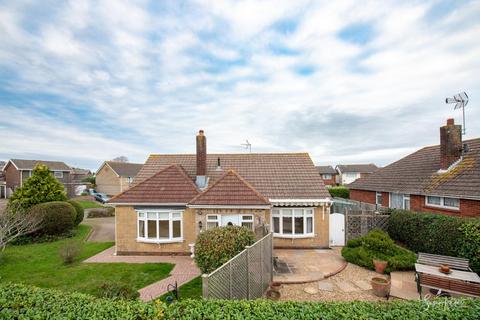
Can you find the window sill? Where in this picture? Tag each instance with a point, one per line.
(442, 207)
(159, 241)
(291, 236)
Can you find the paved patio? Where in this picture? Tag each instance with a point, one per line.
(184, 270)
(308, 265)
(404, 285)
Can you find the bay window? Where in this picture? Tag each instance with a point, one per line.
(292, 222)
(442, 202)
(159, 226)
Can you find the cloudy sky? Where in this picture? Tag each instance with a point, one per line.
(347, 81)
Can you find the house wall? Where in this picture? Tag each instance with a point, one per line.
(349, 177)
(12, 177)
(124, 184)
(329, 182)
(107, 181)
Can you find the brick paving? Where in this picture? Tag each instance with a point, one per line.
(184, 270)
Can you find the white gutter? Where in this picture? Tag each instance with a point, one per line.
(145, 204)
(303, 202)
(211, 206)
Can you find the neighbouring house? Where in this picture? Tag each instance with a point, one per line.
(444, 178)
(328, 175)
(78, 174)
(3, 182)
(176, 196)
(114, 177)
(19, 170)
(347, 173)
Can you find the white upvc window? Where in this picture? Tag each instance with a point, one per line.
(246, 220)
(399, 201)
(293, 222)
(443, 202)
(326, 176)
(378, 198)
(58, 174)
(129, 179)
(213, 221)
(159, 226)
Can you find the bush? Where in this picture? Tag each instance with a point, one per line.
(378, 245)
(101, 212)
(79, 211)
(340, 192)
(39, 188)
(57, 217)
(41, 238)
(216, 246)
(118, 290)
(437, 234)
(69, 251)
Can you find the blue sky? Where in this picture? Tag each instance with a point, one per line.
(348, 82)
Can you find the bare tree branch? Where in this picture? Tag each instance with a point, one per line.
(16, 222)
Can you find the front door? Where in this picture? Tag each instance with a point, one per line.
(230, 220)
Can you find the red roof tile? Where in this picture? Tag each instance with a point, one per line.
(230, 189)
(170, 185)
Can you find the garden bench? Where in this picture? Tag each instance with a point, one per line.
(436, 260)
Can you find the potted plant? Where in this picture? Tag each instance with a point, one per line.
(380, 265)
(276, 286)
(380, 286)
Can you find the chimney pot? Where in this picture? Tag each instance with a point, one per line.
(450, 122)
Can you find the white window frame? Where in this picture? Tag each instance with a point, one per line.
(327, 176)
(171, 218)
(405, 197)
(60, 174)
(216, 220)
(251, 220)
(278, 212)
(378, 194)
(442, 203)
(129, 179)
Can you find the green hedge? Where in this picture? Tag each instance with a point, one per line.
(378, 245)
(57, 217)
(25, 302)
(437, 234)
(79, 210)
(340, 191)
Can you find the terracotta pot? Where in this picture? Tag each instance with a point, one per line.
(276, 286)
(273, 295)
(380, 265)
(444, 268)
(380, 286)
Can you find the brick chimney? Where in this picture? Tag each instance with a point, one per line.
(201, 179)
(450, 144)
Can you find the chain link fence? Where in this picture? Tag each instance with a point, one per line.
(246, 276)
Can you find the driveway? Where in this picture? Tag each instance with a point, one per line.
(103, 229)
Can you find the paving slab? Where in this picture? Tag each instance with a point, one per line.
(311, 290)
(326, 285)
(404, 285)
(346, 286)
(362, 284)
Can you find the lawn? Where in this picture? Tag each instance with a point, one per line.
(86, 204)
(40, 265)
(190, 290)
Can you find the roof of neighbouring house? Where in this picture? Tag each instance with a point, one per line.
(81, 171)
(273, 175)
(2, 164)
(230, 189)
(418, 173)
(360, 168)
(170, 185)
(22, 164)
(124, 169)
(326, 170)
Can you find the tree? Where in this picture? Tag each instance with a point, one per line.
(15, 222)
(39, 188)
(120, 159)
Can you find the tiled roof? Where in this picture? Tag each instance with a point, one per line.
(326, 170)
(125, 169)
(274, 175)
(361, 168)
(417, 173)
(230, 189)
(22, 164)
(170, 185)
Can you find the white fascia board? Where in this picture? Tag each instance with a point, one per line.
(304, 202)
(146, 204)
(201, 206)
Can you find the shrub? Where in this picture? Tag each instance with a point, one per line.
(340, 191)
(69, 251)
(39, 188)
(79, 211)
(41, 238)
(57, 217)
(101, 212)
(117, 290)
(437, 234)
(216, 246)
(378, 245)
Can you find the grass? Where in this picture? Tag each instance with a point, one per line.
(40, 265)
(190, 290)
(86, 204)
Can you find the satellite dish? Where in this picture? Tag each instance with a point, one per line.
(461, 101)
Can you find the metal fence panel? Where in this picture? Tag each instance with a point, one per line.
(246, 276)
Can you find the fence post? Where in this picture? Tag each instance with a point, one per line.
(248, 271)
(205, 285)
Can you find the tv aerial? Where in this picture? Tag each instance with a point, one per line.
(247, 145)
(461, 101)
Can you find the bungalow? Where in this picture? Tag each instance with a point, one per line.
(176, 196)
(347, 173)
(443, 178)
(114, 177)
(328, 175)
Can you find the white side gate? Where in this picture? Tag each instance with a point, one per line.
(337, 229)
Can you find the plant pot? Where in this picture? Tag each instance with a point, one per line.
(380, 265)
(380, 286)
(273, 295)
(276, 286)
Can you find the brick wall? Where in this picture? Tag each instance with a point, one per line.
(468, 208)
(363, 196)
(329, 182)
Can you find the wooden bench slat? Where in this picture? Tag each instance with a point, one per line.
(436, 260)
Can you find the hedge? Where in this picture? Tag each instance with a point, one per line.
(79, 210)
(437, 234)
(25, 302)
(57, 217)
(340, 191)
